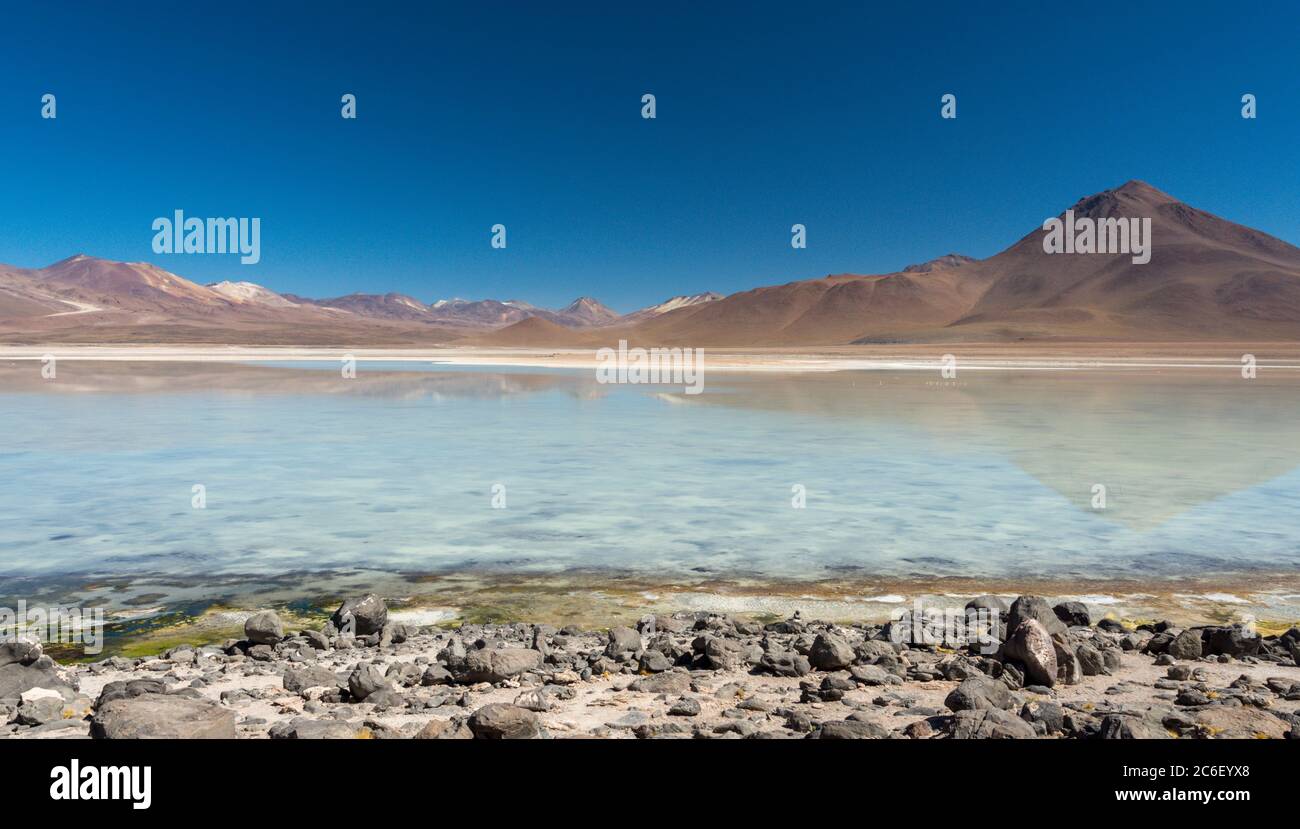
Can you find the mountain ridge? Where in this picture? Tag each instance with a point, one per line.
(1207, 277)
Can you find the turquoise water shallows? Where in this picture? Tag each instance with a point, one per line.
(993, 474)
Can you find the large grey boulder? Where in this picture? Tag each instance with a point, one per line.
(1091, 661)
(1032, 646)
(1186, 645)
(1074, 614)
(162, 716)
(724, 654)
(305, 728)
(1244, 723)
(830, 653)
(1133, 724)
(496, 664)
(988, 724)
(668, 682)
(850, 730)
(125, 689)
(1068, 669)
(882, 653)
(23, 667)
(367, 679)
(784, 663)
(1233, 640)
(299, 680)
(1036, 608)
(19, 652)
(264, 628)
(624, 643)
(499, 721)
(452, 729)
(15, 679)
(362, 616)
(996, 605)
(979, 693)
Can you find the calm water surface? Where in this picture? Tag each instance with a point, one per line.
(992, 474)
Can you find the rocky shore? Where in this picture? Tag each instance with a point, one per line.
(1056, 674)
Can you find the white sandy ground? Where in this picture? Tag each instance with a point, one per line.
(915, 358)
(605, 700)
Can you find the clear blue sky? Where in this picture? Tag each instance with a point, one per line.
(528, 114)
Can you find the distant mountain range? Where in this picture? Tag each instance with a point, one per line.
(1207, 279)
(86, 299)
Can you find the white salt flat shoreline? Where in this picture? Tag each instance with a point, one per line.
(911, 358)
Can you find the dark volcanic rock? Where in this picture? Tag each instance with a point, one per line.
(1074, 614)
(654, 662)
(1034, 607)
(15, 678)
(499, 721)
(1186, 645)
(264, 628)
(1031, 645)
(497, 664)
(624, 643)
(305, 728)
(830, 653)
(1049, 716)
(365, 680)
(988, 724)
(362, 616)
(979, 693)
(994, 604)
(668, 682)
(726, 654)
(784, 663)
(1147, 724)
(850, 730)
(453, 729)
(298, 680)
(162, 716)
(1232, 640)
(1091, 661)
(1068, 670)
(685, 707)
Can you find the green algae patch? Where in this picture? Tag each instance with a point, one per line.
(211, 626)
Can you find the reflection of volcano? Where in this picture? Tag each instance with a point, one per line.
(1161, 444)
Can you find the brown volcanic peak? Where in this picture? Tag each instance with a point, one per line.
(1207, 277)
(390, 306)
(949, 260)
(671, 304)
(125, 285)
(479, 313)
(587, 311)
(532, 331)
(835, 310)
